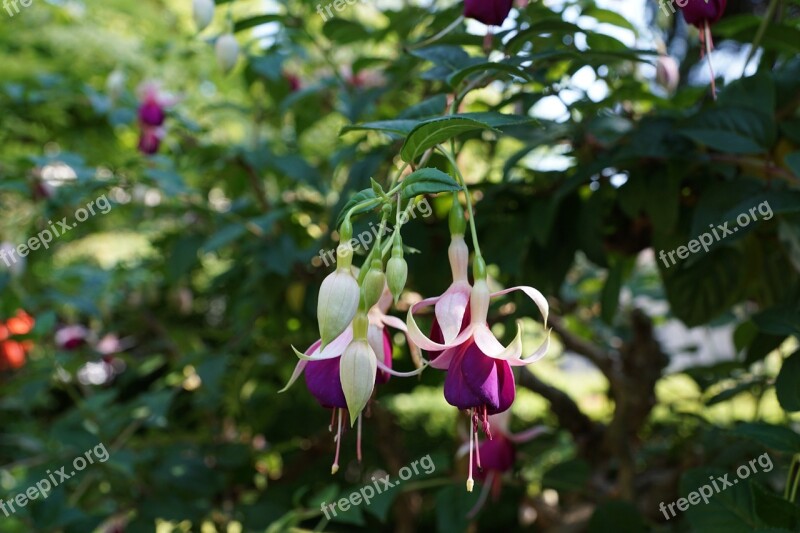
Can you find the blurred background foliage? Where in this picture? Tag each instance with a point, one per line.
(185, 298)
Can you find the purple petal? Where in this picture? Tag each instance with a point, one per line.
(496, 454)
(506, 386)
(151, 114)
(480, 375)
(697, 12)
(323, 382)
(456, 391)
(382, 377)
(490, 12)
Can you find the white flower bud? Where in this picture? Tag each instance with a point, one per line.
(357, 370)
(227, 49)
(203, 13)
(337, 305)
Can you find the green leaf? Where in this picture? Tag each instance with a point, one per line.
(223, 237)
(452, 505)
(775, 437)
(252, 22)
(729, 510)
(779, 321)
(609, 299)
(787, 386)
(732, 130)
(366, 194)
(457, 77)
(436, 131)
(428, 181)
(773, 510)
(344, 31)
(400, 127)
(609, 17)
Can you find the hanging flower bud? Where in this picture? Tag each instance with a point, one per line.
(203, 12)
(339, 293)
(667, 74)
(227, 49)
(358, 369)
(397, 270)
(490, 12)
(374, 283)
(456, 220)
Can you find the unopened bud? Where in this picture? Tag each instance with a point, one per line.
(667, 73)
(397, 272)
(458, 224)
(227, 49)
(203, 13)
(337, 305)
(374, 283)
(357, 370)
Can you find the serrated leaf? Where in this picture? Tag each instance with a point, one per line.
(428, 181)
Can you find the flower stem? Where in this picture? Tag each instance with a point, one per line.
(471, 211)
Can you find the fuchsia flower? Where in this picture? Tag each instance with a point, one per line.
(496, 456)
(702, 14)
(151, 114)
(71, 337)
(323, 367)
(479, 377)
(490, 12)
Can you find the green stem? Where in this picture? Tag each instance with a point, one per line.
(450, 157)
(762, 29)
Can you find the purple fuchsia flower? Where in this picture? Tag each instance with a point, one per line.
(490, 12)
(702, 14)
(496, 456)
(71, 337)
(323, 368)
(479, 377)
(151, 114)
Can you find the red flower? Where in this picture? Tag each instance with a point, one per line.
(12, 352)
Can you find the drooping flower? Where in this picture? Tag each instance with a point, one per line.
(152, 112)
(323, 368)
(667, 73)
(495, 456)
(71, 337)
(490, 12)
(702, 14)
(479, 377)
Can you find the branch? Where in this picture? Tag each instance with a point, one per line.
(602, 359)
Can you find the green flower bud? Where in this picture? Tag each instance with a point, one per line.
(458, 224)
(374, 283)
(397, 272)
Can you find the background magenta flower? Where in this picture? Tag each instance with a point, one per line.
(490, 12)
(699, 12)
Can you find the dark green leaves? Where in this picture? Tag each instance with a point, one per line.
(428, 181)
(787, 385)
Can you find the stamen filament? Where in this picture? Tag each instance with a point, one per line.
(709, 45)
(335, 467)
(470, 481)
(358, 440)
